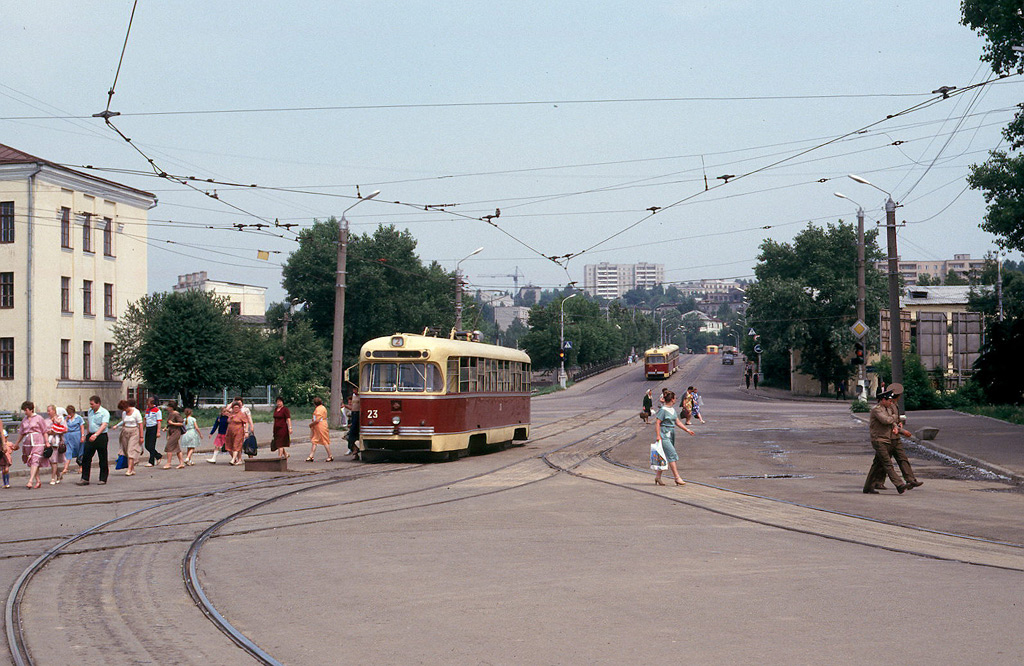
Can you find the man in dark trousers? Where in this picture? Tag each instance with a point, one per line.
(886, 428)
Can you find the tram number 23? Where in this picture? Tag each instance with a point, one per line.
(371, 413)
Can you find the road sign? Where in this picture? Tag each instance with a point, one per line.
(757, 349)
(859, 328)
(567, 344)
(752, 333)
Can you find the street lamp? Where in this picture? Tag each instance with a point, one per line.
(458, 288)
(561, 339)
(895, 334)
(861, 287)
(337, 363)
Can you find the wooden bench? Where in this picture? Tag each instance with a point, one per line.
(266, 464)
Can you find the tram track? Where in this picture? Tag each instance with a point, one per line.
(178, 531)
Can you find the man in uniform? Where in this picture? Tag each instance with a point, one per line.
(885, 429)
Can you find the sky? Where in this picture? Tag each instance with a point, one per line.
(572, 118)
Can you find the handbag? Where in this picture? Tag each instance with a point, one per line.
(658, 457)
(47, 451)
(249, 445)
(122, 461)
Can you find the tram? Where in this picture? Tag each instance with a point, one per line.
(661, 362)
(442, 396)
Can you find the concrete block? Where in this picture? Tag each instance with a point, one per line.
(266, 465)
(927, 434)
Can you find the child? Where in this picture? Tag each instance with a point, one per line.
(220, 426)
(5, 455)
(190, 440)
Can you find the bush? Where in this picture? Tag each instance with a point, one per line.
(918, 389)
(860, 407)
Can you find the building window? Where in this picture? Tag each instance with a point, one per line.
(235, 308)
(65, 294)
(6, 221)
(65, 228)
(108, 300)
(108, 361)
(86, 360)
(6, 358)
(87, 297)
(86, 233)
(108, 237)
(6, 290)
(65, 359)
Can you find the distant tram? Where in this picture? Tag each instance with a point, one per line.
(711, 349)
(443, 396)
(661, 362)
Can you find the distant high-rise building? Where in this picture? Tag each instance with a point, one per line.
(911, 270)
(606, 280)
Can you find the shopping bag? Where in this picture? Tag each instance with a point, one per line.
(658, 457)
(249, 446)
(122, 462)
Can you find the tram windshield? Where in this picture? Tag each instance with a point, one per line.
(656, 358)
(401, 377)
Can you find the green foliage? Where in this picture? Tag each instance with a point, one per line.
(303, 365)
(805, 298)
(986, 300)
(1000, 368)
(388, 288)
(926, 280)
(186, 342)
(918, 388)
(1001, 178)
(860, 407)
(954, 279)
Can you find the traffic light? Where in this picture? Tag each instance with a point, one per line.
(561, 354)
(858, 354)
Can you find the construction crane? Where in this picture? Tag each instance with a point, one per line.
(515, 275)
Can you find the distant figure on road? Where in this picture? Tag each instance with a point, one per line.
(841, 389)
(648, 405)
(175, 428)
(73, 438)
(220, 433)
(132, 433)
(32, 439)
(282, 429)
(686, 409)
(697, 402)
(237, 427)
(748, 373)
(191, 438)
(5, 456)
(352, 436)
(97, 420)
(667, 420)
(153, 419)
(885, 429)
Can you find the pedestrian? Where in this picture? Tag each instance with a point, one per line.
(885, 428)
(282, 429)
(648, 405)
(841, 389)
(661, 398)
(6, 449)
(352, 436)
(666, 421)
(757, 377)
(132, 426)
(318, 433)
(686, 408)
(175, 428)
(73, 438)
(236, 433)
(748, 373)
(97, 421)
(191, 436)
(698, 402)
(220, 427)
(56, 428)
(154, 419)
(33, 431)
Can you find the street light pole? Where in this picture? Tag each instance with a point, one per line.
(458, 288)
(861, 288)
(895, 333)
(561, 339)
(337, 348)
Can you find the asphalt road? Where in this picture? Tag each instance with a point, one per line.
(558, 552)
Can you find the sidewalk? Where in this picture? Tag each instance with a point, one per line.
(981, 441)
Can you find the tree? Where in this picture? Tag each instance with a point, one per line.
(805, 298)
(596, 337)
(983, 298)
(955, 279)
(184, 343)
(918, 387)
(925, 280)
(388, 288)
(1001, 365)
(1001, 178)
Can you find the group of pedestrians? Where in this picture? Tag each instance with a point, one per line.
(63, 437)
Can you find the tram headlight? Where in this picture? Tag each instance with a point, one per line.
(395, 420)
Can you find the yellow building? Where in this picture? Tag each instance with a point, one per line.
(72, 256)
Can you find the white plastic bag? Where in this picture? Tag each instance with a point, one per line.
(658, 457)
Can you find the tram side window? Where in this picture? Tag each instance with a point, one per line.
(467, 374)
(419, 377)
(453, 375)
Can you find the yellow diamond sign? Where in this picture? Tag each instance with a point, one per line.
(859, 329)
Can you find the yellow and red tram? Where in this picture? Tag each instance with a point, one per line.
(446, 396)
(661, 362)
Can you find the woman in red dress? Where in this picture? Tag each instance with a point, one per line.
(282, 429)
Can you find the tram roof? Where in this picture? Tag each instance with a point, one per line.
(442, 346)
(667, 349)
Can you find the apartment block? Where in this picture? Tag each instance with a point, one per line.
(247, 301)
(610, 281)
(73, 255)
(961, 264)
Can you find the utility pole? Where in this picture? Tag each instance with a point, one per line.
(895, 334)
(861, 297)
(999, 286)
(338, 342)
